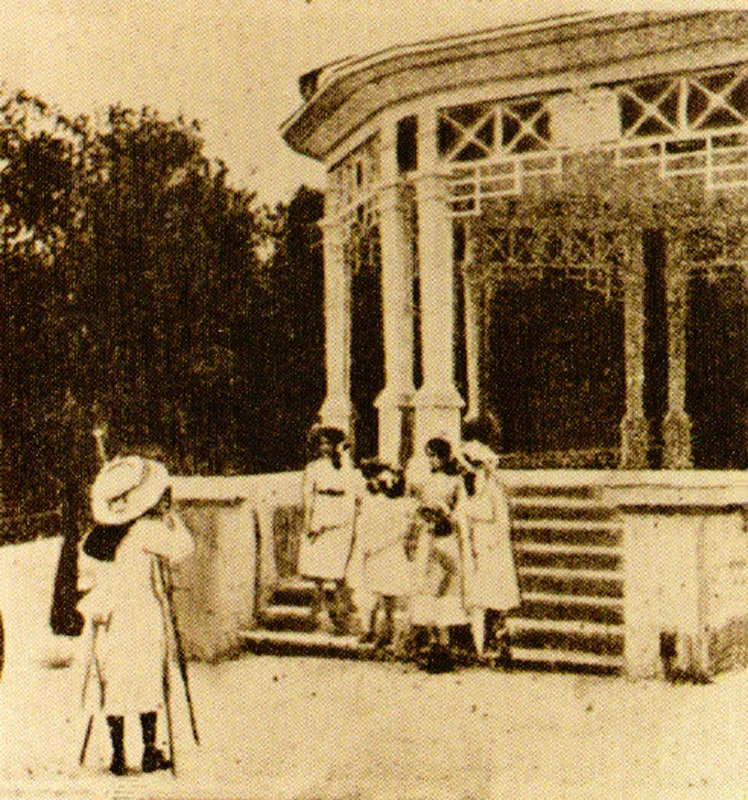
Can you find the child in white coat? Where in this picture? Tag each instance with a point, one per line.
(125, 601)
(490, 576)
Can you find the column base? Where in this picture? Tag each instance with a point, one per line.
(438, 412)
(337, 412)
(676, 435)
(394, 410)
(634, 442)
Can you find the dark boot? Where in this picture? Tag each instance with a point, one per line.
(117, 735)
(153, 758)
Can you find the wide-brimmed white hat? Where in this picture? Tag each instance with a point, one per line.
(126, 488)
(478, 453)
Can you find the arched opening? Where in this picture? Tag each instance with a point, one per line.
(717, 374)
(556, 373)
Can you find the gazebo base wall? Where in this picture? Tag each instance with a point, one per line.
(642, 572)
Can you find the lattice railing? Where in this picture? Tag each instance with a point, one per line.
(469, 186)
(722, 159)
(688, 125)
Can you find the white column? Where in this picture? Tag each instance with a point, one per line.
(473, 326)
(437, 403)
(336, 409)
(676, 427)
(634, 425)
(397, 307)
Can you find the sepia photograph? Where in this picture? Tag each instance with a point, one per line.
(374, 400)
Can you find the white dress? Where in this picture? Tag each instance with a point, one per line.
(330, 508)
(437, 593)
(129, 651)
(490, 574)
(379, 564)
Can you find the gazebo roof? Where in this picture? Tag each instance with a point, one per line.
(545, 56)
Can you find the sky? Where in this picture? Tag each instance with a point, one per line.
(231, 64)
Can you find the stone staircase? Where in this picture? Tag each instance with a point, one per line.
(286, 626)
(569, 558)
(568, 553)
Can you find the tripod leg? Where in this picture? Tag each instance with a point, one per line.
(86, 738)
(167, 713)
(91, 666)
(170, 621)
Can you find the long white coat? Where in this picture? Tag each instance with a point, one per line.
(379, 564)
(129, 650)
(489, 571)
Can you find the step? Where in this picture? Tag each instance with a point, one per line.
(286, 617)
(295, 583)
(580, 492)
(568, 549)
(547, 580)
(582, 561)
(567, 524)
(578, 627)
(567, 657)
(605, 640)
(570, 574)
(294, 611)
(293, 591)
(573, 599)
(570, 509)
(609, 614)
(303, 643)
(571, 532)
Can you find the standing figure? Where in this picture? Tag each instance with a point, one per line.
(491, 586)
(381, 571)
(437, 601)
(331, 489)
(125, 605)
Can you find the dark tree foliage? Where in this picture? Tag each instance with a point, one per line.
(140, 289)
(297, 366)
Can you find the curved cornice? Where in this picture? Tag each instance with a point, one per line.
(550, 55)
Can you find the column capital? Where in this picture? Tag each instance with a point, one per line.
(388, 195)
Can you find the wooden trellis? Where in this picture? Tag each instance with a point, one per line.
(596, 253)
(710, 248)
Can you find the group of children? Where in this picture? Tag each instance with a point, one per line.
(432, 543)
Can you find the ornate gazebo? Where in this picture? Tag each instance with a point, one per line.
(542, 228)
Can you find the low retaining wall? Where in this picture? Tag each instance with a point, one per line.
(686, 572)
(216, 589)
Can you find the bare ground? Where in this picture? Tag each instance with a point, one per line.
(284, 727)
